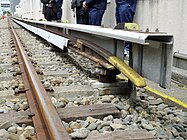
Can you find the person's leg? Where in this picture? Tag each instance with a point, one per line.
(125, 13)
(92, 16)
(86, 19)
(53, 15)
(118, 14)
(82, 16)
(77, 16)
(59, 14)
(95, 16)
(44, 10)
(47, 14)
(126, 16)
(133, 6)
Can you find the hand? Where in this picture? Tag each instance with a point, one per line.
(84, 4)
(50, 1)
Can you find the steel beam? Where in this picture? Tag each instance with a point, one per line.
(152, 60)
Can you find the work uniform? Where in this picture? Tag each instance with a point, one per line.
(48, 12)
(96, 9)
(81, 12)
(58, 10)
(125, 10)
(53, 10)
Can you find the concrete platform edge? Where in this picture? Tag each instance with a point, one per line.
(169, 99)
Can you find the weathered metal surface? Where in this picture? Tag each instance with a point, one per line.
(132, 75)
(95, 59)
(135, 37)
(37, 121)
(153, 60)
(101, 53)
(57, 40)
(46, 120)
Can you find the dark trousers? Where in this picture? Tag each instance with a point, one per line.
(125, 14)
(95, 16)
(49, 14)
(82, 16)
(59, 14)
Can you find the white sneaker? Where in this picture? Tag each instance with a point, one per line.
(126, 52)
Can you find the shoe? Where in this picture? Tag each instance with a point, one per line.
(126, 52)
(59, 21)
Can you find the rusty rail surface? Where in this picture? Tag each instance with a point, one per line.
(46, 120)
(100, 56)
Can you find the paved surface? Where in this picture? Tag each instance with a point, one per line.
(178, 87)
(179, 75)
(177, 90)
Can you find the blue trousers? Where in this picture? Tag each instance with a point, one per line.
(95, 16)
(125, 14)
(49, 14)
(59, 14)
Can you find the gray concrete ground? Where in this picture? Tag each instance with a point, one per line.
(178, 87)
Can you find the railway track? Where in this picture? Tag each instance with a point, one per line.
(85, 107)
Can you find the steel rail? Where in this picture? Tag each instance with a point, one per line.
(95, 59)
(36, 114)
(135, 37)
(51, 119)
(131, 74)
(105, 55)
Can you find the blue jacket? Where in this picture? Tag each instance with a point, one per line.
(98, 4)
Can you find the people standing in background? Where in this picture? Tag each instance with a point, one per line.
(3, 17)
(58, 9)
(80, 11)
(48, 12)
(96, 9)
(125, 10)
(52, 9)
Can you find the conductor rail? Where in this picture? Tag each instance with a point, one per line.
(150, 56)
